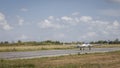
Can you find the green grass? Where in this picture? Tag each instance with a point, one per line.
(96, 60)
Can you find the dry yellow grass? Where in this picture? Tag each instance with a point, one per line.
(31, 48)
(48, 47)
(107, 45)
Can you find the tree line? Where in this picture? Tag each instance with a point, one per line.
(50, 42)
(116, 41)
(19, 42)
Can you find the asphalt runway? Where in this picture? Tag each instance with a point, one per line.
(49, 53)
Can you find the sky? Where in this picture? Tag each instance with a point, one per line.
(61, 20)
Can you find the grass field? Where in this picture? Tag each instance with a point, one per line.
(33, 48)
(48, 47)
(107, 45)
(97, 60)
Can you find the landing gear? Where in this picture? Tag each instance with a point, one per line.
(83, 48)
(80, 48)
(89, 47)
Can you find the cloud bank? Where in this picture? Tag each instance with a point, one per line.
(85, 26)
(3, 23)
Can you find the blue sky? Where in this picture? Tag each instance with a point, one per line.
(62, 20)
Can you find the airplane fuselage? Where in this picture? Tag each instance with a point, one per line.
(83, 46)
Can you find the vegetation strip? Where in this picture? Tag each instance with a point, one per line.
(96, 60)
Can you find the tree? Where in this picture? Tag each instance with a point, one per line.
(19, 41)
(1, 42)
(116, 41)
(6, 42)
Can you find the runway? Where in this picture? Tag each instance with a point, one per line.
(49, 53)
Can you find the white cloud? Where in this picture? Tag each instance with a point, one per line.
(66, 18)
(77, 20)
(110, 29)
(24, 9)
(7, 27)
(2, 17)
(99, 23)
(89, 36)
(69, 20)
(64, 21)
(86, 27)
(105, 32)
(116, 23)
(3, 23)
(20, 21)
(48, 24)
(51, 17)
(85, 18)
(105, 27)
(58, 22)
(114, 26)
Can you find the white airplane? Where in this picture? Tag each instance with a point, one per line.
(84, 45)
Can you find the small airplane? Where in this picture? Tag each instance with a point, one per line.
(83, 46)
